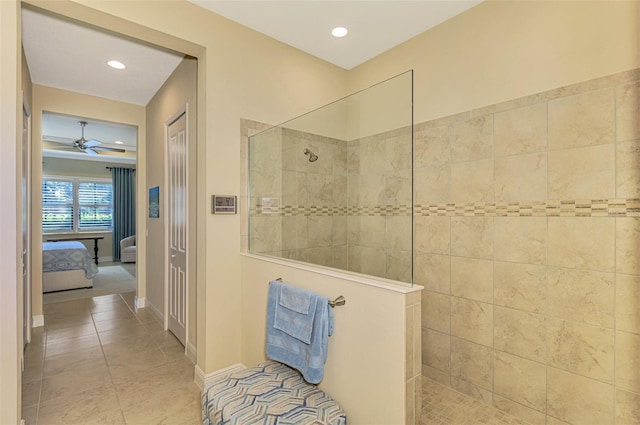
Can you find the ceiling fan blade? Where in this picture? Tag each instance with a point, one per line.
(92, 143)
(56, 139)
(61, 148)
(90, 151)
(104, 148)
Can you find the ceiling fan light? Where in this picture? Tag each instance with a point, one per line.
(118, 142)
(116, 64)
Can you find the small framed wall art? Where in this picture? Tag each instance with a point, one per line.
(154, 202)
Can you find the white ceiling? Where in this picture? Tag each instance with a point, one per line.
(69, 56)
(374, 26)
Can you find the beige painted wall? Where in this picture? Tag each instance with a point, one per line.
(69, 103)
(502, 50)
(178, 91)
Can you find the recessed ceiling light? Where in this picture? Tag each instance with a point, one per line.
(118, 142)
(116, 64)
(339, 32)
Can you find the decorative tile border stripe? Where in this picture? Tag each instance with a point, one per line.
(568, 208)
(553, 208)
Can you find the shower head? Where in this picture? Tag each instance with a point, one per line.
(312, 156)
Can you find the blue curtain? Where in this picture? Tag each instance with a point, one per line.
(124, 207)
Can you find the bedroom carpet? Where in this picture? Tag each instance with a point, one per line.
(109, 280)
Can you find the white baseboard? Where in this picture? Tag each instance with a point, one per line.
(159, 314)
(37, 321)
(140, 302)
(191, 351)
(202, 379)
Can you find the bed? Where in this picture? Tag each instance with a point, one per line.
(66, 265)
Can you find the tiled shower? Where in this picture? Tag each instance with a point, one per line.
(527, 238)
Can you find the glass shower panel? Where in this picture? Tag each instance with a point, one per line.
(334, 187)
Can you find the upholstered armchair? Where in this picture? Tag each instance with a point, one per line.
(128, 249)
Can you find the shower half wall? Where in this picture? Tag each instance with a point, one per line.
(334, 187)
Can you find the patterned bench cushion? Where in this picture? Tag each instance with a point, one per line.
(270, 393)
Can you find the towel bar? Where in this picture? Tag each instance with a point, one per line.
(335, 303)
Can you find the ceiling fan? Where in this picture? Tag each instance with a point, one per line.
(91, 147)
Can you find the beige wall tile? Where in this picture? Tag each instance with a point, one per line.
(520, 333)
(582, 119)
(436, 350)
(397, 188)
(472, 363)
(520, 380)
(320, 231)
(432, 234)
(555, 421)
(628, 111)
(582, 173)
(472, 278)
(436, 311)
(339, 230)
(520, 286)
(372, 155)
(472, 320)
(370, 189)
(520, 239)
(398, 265)
(628, 303)
(521, 177)
(628, 245)
(436, 375)
(582, 296)
(432, 184)
(339, 162)
(472, 237)
(398, 233)
(472, 390)
(521, 130)
(578, 400)
(532, 416)
(431, 146)
(581, 243)
(582, 349)
(433, 272)
(627, 170)
(472, 181)
(398, 153)
(372, 231)
(472, 139)
(289, 232)
(628, 361)
(372, 261)
(627, 408)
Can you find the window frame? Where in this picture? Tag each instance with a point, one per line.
(76, 205)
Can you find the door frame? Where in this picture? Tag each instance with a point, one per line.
(183, 110)
(27, 297)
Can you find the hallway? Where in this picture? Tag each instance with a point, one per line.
(96, 361)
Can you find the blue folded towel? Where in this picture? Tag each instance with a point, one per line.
(295, 312)
(308, 358)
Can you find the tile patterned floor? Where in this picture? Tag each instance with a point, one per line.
(442, 405)
(98, 361)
